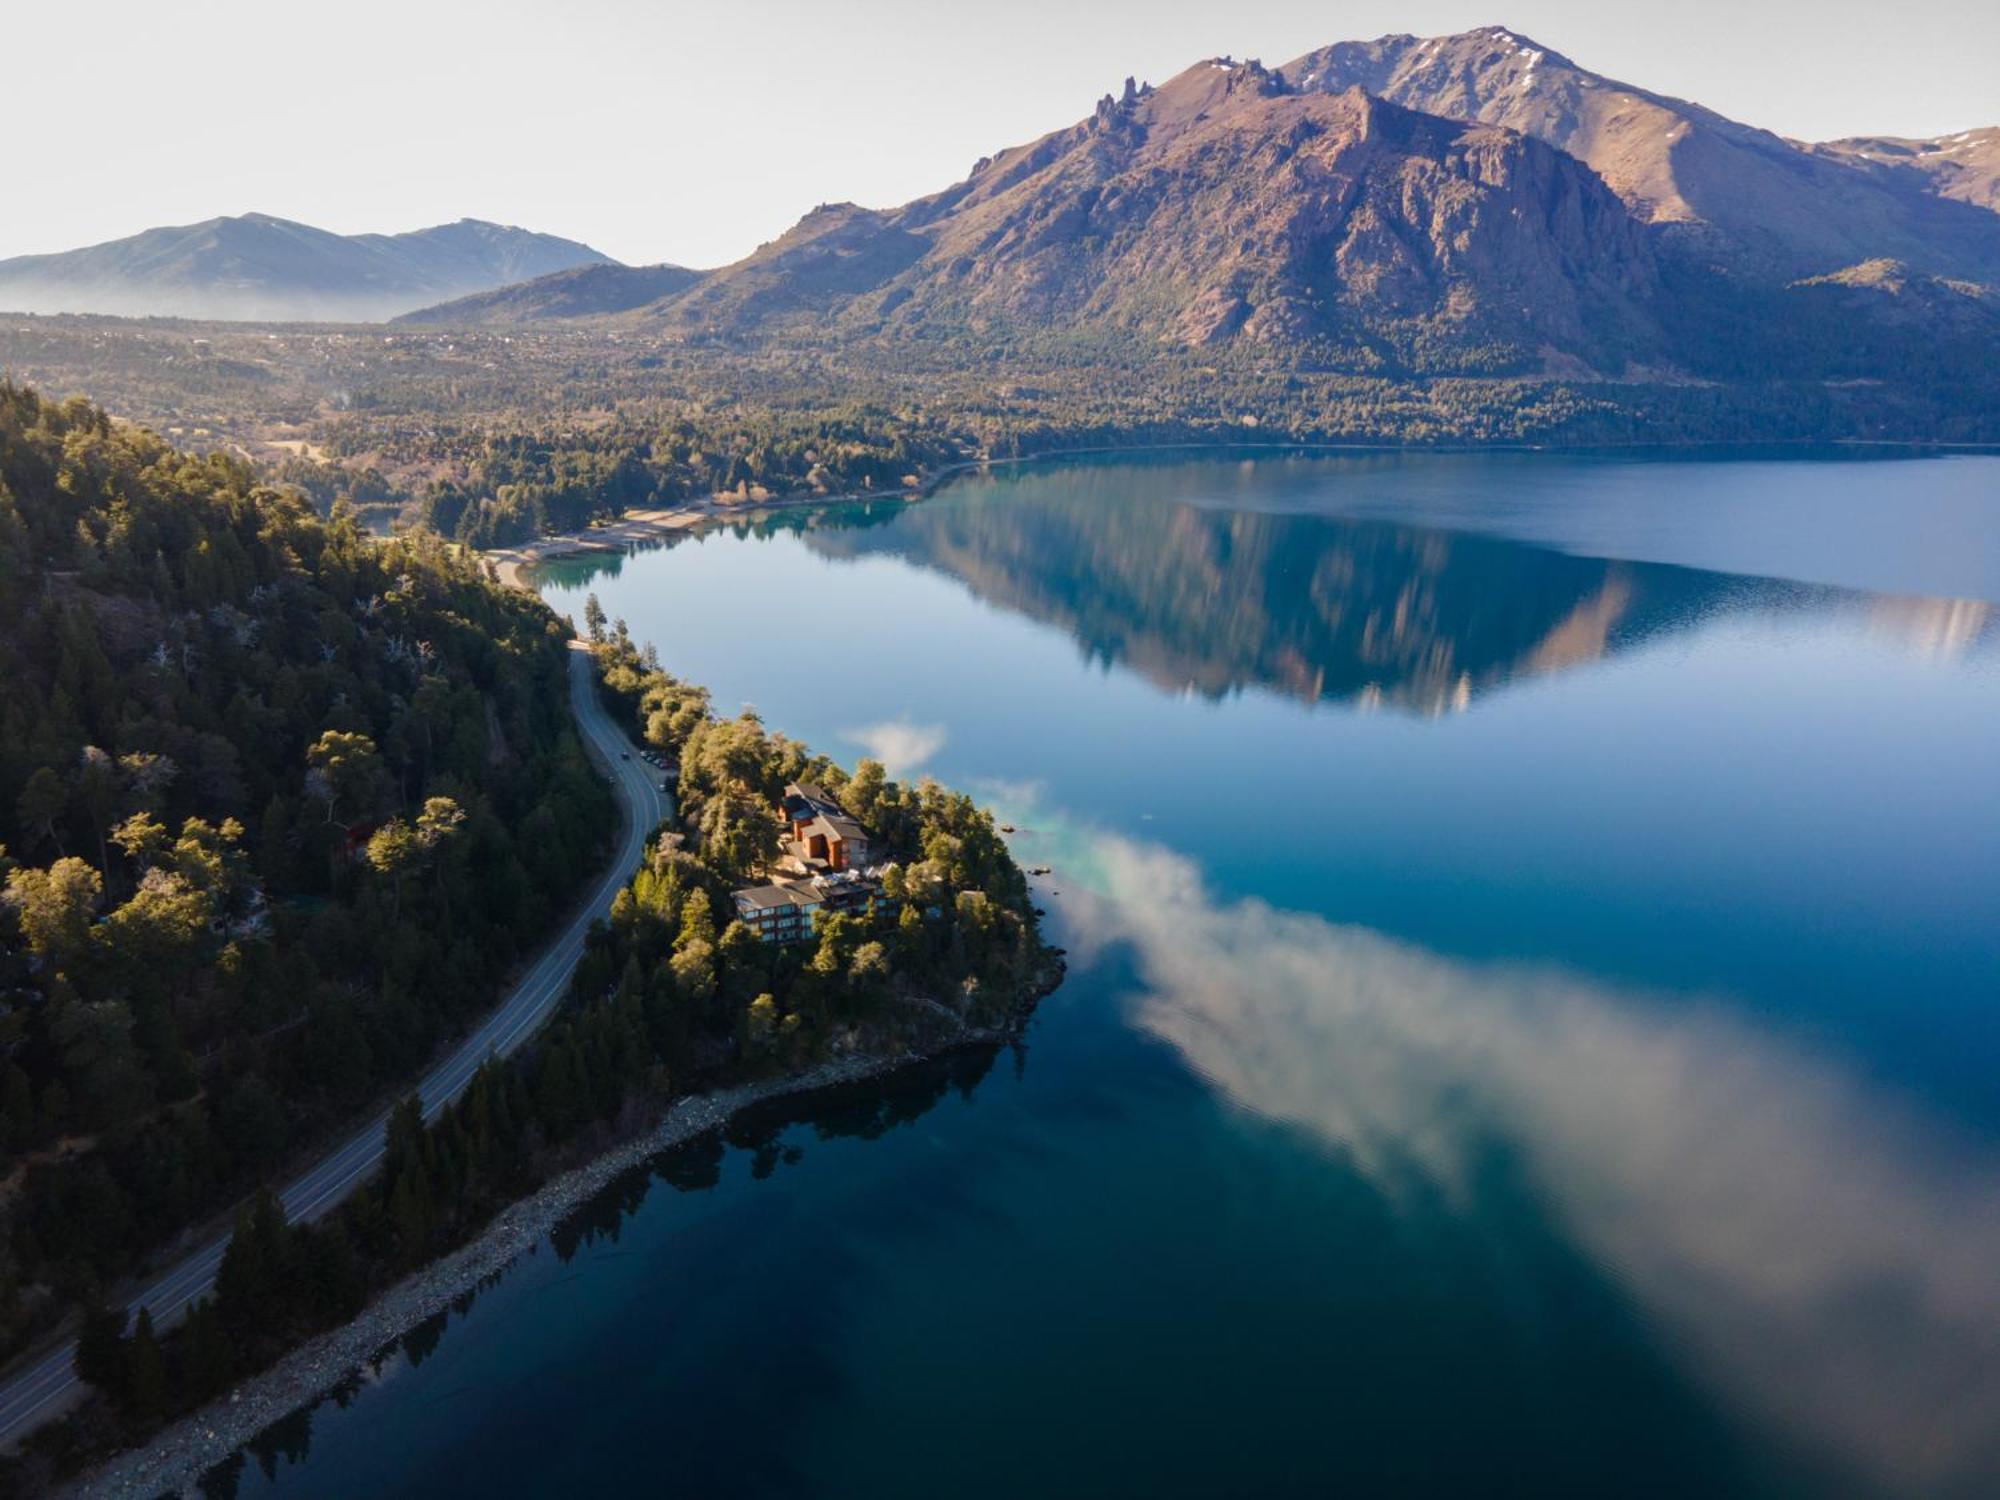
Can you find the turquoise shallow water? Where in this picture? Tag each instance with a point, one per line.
(1536, 942)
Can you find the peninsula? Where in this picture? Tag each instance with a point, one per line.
(655, 1012)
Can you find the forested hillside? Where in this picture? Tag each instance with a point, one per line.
(280, 803)
(673, 996)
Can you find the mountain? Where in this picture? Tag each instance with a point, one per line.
(1225, 206)
(1965, 166)
(1472, 206)
(579, 292)
(254, 266)
(1464, 206)
(1743, 194)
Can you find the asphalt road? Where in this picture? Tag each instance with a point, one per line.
(38, 1391)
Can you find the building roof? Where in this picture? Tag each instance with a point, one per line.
(780, 894)
(838, 826)
(803, 893)
(806, 800)
(846, 880)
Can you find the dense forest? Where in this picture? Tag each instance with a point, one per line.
(281, 804)
(673, 996)
(521, 486)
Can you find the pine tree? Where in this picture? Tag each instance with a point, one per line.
(412, 1213)
(100, 1348)
(558, 1091)
(146, 1372)
(334, 1289)
(205, 1352)
(251, 1282)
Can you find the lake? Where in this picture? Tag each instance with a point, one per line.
(1533, 1023)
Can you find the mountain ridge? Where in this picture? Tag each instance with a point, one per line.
(1471, 205)
(1223, 205)
(1964, 166)
(577, 292)
(1736, 190)
(264, 268)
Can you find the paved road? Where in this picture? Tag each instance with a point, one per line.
(40, 1390)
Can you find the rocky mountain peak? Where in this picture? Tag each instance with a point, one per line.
(1730, 191)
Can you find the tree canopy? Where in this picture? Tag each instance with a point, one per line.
(279, 804)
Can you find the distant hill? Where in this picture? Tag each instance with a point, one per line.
(254, 266)
(1739, 191)
(579, 292)
(1880, 298)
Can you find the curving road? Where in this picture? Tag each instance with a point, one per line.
(40, 1390)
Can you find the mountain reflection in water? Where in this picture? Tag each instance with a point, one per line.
(1317, 607)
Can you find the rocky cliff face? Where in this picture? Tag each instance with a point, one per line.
(1726, 189)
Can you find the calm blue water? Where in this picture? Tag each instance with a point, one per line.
(1532, 1028)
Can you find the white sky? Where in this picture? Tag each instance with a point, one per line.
(692, 132)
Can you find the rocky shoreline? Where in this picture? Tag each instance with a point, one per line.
(174, 1461)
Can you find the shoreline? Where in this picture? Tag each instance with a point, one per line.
(173, 1461)
(514, 564)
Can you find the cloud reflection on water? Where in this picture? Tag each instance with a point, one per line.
(1826, 1256)
(900, 745)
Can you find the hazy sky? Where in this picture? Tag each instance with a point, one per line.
(694, 131)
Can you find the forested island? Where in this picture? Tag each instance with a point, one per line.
(283, 804)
